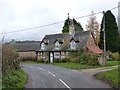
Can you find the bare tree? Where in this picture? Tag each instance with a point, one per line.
(93, 26)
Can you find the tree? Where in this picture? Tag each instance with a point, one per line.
(111, 33)
(93, 26)
(77, 25)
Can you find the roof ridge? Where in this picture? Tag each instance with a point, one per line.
(56, 34)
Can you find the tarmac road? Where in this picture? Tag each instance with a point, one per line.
(51, 76)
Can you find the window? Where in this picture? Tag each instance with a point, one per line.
(72, 44)
(56, 55)
(42, 46)
(57, 45)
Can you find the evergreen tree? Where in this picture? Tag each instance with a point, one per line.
(77, 25)
(111, 32)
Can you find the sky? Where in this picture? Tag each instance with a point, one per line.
(21, 14)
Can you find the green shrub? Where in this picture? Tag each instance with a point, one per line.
(28, 59)
(64, 60)
(46, 60)
(56, 60)
(9, 58)
(75, 60)
(40, 60)
(115, 56)
(14, 79)
(88, 59)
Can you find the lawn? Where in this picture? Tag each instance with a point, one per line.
(111, 77)
(81, 66)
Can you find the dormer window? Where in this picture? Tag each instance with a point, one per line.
(57, 45)
(42, 46)
(73, 44)
(46, 41)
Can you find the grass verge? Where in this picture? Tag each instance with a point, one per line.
(0, 80)
(112, 63)
(110, 77)
(74, 65)
(14, 80)
(81, 66)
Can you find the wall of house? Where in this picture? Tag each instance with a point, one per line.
(90, 41)
(56, 55)
(39, 55)
(27, 54)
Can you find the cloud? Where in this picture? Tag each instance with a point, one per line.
(20, 14)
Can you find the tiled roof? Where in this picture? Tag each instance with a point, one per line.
(81, 36)
(26, 45)
(94, 49)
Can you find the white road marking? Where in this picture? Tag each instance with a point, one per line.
(42, 69)
(51, 73)
(65, 84)
(54, 76)
(43, 83)
(47, 71)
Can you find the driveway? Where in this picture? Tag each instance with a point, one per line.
(50, 76)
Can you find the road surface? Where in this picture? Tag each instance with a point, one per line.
(50, 76)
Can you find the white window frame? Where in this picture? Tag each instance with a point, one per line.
(42, 46)
(57, 45)
(73, 44)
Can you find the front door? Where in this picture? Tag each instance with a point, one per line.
(51, 57)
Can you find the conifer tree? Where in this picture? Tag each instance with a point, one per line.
(77, 25)
(111, 33)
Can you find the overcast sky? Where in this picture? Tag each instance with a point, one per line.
(20, 14)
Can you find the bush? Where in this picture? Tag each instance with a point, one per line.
(64, 60)
(40, 60)
(56, 60)
(9, 58)
(88, 59)
(115, 56)
(12, 75)
(75, 60)
(14, 79)
(27, 59)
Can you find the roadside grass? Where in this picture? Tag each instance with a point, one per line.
(74, 65)
(31, 62)
(112, 63)
(14, 80)
(0, 80)
(81, 66)
(110, 77)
